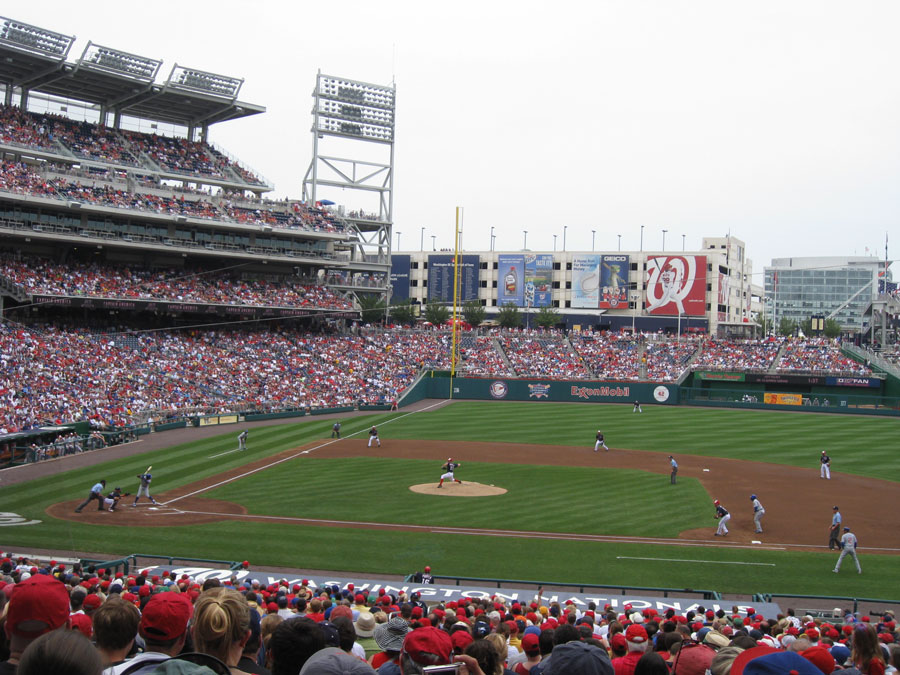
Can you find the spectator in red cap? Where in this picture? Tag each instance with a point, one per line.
(422, 647)
(163, 626)
(115, 626)
(637, 639)
(531, 647)
(39, 604)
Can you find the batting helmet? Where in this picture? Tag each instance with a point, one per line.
(752, 497)
(716, 502)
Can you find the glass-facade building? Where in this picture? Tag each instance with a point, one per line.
(800, 288)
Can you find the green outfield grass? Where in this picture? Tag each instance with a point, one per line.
(547, 498)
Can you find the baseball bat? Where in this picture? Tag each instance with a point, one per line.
(148, 469)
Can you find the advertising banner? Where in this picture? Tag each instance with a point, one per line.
(723, 288)
(511, 280)
(783, 399)
(399, 278)
(720, 376)
(614, 282)
(676, 285)
(853, 381)
(538, 280)
(440, 278)
(586, 281)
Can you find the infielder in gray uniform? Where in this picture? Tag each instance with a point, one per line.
(758, 512)
(848, 547)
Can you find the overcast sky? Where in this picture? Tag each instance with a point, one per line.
(776, 121)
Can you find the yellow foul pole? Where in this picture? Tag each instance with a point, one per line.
(453, 349)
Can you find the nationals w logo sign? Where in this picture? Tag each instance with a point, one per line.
(676, 285)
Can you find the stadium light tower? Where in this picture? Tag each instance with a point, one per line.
(356, 119)
(664, 240)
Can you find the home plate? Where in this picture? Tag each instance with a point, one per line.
(706, 470)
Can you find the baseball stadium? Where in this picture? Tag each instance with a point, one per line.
(157, 306)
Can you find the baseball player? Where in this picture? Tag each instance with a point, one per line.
(449, 468)
(600, 444)
(242, 440)
(112, 499)
(674, 466)
(373, 437)
(825, 470)
(144, 489)
(758, 512)
(723, 516)
(834, 532)
(848, 547)
(637, 407)
(427, 578)
(96, 493)
(336, 430)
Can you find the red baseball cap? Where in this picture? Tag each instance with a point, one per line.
(166, 616)
(636, 633)
(428, 640)
(38, 605)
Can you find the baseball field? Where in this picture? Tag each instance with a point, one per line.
(536, 502)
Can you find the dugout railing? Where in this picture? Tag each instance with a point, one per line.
(131, 562)
(769, 597)
(503, 583)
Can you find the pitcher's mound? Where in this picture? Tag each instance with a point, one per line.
(466, 489)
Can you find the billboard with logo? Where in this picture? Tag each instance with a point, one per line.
(614, 281)
(538, 279)
(676, 284)
(586, 281)
(511, 279)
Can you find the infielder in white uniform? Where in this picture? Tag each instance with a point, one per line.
(449, 468)
(848, 547)
(758, 512)
(242, 440)
(373, 437)
(723, 516)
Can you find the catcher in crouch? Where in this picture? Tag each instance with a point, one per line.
(449, 468)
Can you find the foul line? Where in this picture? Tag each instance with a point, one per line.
(711, 562)
(294, 456)
(512, 534)
(227, 452)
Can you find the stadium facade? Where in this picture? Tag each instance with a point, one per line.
(706, 291)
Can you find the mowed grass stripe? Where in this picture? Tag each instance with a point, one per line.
(857, 444)
(539, 498)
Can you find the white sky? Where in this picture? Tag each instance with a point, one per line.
(776, 120)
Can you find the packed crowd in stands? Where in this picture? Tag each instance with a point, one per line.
(480, 357)
(51, 375)
(548, 356)
(818, 354)
(616, 355)
(44, 277)
(743, 354)
(667, 360)
(239, 625)
(20, 178)
(104, 144)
